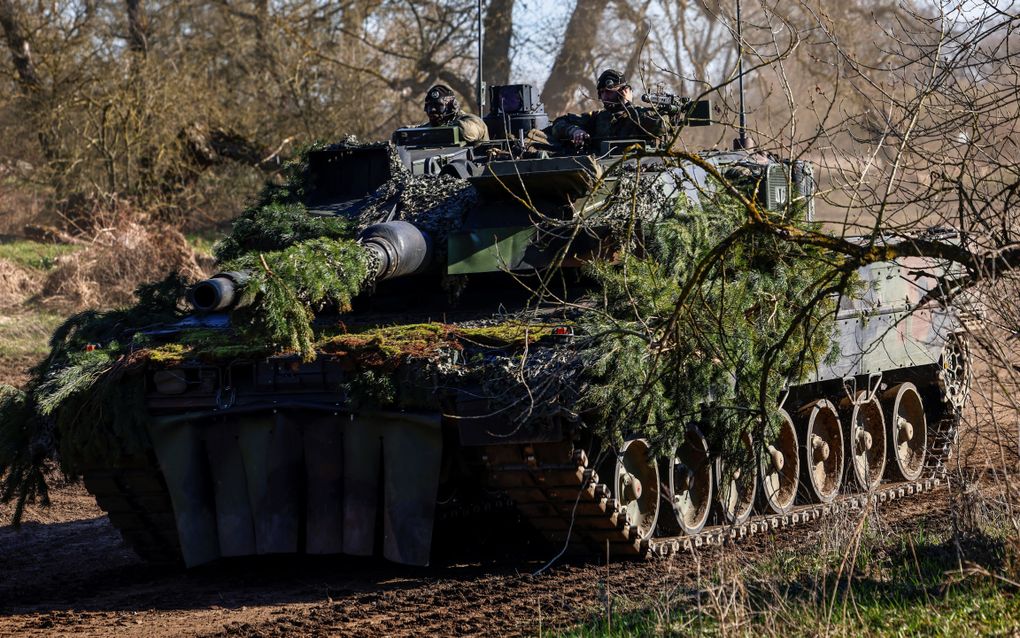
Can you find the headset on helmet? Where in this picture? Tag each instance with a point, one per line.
(611, 79)
(440, 102)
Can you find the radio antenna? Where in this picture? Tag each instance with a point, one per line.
(741, 141)
(481, 83)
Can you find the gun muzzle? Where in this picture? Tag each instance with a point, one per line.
(664, 99)
(399, 249)
(219, 292)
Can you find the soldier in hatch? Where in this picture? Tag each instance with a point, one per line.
(443, 109)
(619, 119)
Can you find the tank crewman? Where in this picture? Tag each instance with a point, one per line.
(619, 119)
(443, 109)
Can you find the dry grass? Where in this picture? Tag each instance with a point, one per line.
(42, 283)
(865, 575)
(17, 284)
(105, 272)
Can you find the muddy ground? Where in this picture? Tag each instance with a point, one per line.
(67, 572)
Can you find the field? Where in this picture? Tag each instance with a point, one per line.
(125, 126)
(940, 564)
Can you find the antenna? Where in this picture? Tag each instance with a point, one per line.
(481, 83)
(741, 142)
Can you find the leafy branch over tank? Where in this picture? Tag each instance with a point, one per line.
(81, 400)
(658, 361)
(286, 287)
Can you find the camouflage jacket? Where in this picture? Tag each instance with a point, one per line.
(472, 128)
(633, 122)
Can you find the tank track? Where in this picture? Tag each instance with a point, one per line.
(550, 484)
(943, 436)
(801, 515)
(135, 497)
(559, 494)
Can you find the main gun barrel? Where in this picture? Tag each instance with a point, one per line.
(219, 292)
(398, 249)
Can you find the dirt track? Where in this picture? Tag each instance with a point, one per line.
(67, 572)
(70, 573)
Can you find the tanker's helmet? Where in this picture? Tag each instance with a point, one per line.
(440, 104)
(611, 79)
(613, 90)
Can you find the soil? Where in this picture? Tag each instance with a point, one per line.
(65, 571)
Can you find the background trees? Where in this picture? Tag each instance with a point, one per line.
(182, 108)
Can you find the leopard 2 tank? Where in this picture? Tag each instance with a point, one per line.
(459, 371)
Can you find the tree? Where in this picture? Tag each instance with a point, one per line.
(574, 64)
(499, 29)
(138, 27)
(16, 34)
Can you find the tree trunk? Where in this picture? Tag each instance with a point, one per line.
(499, 27)
(138, 27)
(16, 34)
(574, 63)
(638, 16)
(261, 18)
(16, 31)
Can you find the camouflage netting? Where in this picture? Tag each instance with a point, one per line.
(435, 204)
(641, 194)
(280, 218)
(676, 329)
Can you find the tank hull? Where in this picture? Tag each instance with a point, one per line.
(275, 455)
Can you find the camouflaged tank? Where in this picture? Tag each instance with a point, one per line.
(451, 383)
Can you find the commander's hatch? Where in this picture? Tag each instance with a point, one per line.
(340, 176)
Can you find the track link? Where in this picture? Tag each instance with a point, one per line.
(136, 499)
(555, 490)
(802, 515)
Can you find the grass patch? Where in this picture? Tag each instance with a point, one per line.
(907, 584)
(27, 334)
(202, 242)
(962, 610)
(33, 254)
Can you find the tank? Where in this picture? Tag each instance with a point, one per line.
(458, 379)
